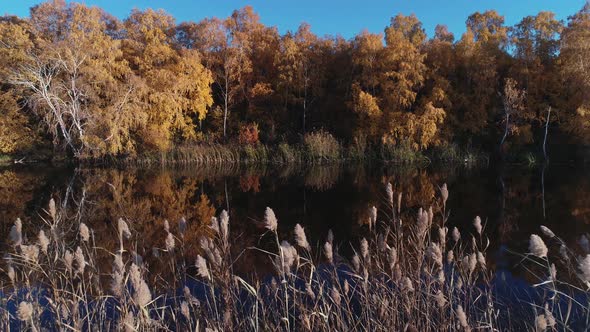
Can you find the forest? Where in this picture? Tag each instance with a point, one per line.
(78, 83)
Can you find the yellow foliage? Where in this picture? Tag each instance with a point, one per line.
(177, 86)
(15, 134)
(365, 103)
(420, 131)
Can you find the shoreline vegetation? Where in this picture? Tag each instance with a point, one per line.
(300, 154)
(78, 84)
(408, 271)
(333, 153)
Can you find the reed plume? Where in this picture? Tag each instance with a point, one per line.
(444, 193)
(300, 237)
(182, 225)
(25, 311)
(30, 252)
(434, 254)
(373, 217)
(80, 260)
(288, 255)
(537, 247)
(43, 241)
(456, 235)
(584, 266)
(224, 224)
(214, 225)
(84, 232)
(170, 243)
(16, 232)
(364, 248)
(389, 191)
(141, 291)
(52, 210)
(202, 269)
(270, 220)
(547, 232)
(328, 253)
(477, 224)
(462, 317)
(123, 228)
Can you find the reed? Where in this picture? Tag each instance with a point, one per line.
(405, 275)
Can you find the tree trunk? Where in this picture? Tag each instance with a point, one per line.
(225, 107)
(225, 118)
(304, 114)
(506, 130)
(546, 133)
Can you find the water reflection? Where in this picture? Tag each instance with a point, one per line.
(512, 201)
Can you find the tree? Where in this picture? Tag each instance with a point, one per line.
(488, 29)
(176, 86)
(225, 54)
(389, 94)
(513, 99)
(480, 58)
(441, 61)
(366, 53)
(16, 133)
(77, 81)
(575, 70)
(300, 69)
(410, 120)
(536, 43)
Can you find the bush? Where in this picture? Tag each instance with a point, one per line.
(402, 153)
(286, 154)
(358, 150)
(255, 153)
(321, 146)
(448, 153)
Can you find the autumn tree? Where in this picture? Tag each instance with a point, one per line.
(513, 100)
(76, 80)
(441, 62)
(174, 87)
(481, 57)
(366, 60)
(225, 54)
(575, 70)
(300, 69)
(16, 132)
(391, 77)
(536, 45)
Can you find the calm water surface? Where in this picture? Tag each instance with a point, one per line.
(513, 201)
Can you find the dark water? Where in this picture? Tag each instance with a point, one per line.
(513, 201)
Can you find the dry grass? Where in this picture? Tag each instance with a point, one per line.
(407, 274)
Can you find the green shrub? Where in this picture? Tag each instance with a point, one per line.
(286, 154)
(402, 153)
(358, 149)
(255, 153)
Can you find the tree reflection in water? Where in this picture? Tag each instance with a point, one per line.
(512, 201)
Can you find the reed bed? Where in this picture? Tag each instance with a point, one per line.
(312, 151)
(404, 274)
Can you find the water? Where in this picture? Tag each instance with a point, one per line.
(513, 202)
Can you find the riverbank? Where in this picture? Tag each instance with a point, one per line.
(214, 154)
(319, 151)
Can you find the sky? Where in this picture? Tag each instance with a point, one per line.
(331, 17)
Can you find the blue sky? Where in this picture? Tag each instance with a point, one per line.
(344, 17)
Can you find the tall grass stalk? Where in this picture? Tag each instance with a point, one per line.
(409, 275)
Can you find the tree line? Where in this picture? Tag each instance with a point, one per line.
(88, 85)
